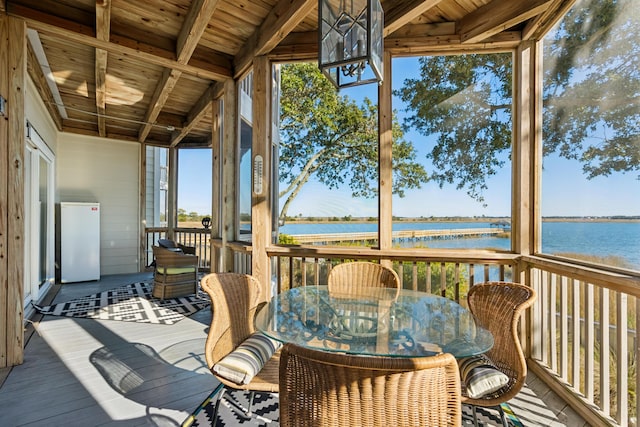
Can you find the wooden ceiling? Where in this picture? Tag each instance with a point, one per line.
(146, 70)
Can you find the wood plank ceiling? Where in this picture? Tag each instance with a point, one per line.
(145, 70)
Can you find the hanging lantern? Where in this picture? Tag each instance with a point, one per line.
(350, 41)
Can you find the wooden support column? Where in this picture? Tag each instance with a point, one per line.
(13, 71)
(172, 194)
(261, 172)
(527, 168)
(217, 181)
(385, 158)
(142, 251)
(228, 210)
(527, 150)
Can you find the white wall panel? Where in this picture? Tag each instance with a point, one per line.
(91, 169)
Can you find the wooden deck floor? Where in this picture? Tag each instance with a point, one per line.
(157, 373)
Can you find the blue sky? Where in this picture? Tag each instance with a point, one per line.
(565, 190)
(194, 186)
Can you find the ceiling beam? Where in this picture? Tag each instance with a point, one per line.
(422, 30)
(112, 135)
(498, 16)
(541, 24)
(297, 47)
(192, 29)
(219, 69)
(405, 12)
(428, 44)
(406, 39)
(103, 30)
(197, 113)
(159, 98)
(416, 39)
(280, 21)
(194, 26)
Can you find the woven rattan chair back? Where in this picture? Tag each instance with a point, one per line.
(334, 389)
(351, 277)
(498, 306)
(235, 298)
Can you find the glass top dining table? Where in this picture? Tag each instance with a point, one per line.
(375, 321)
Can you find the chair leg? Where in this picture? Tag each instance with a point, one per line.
(475, 415)
(503, 415)
(245, 412)
(215, 409)
(505, 423)
(241, 411)
(252, 394)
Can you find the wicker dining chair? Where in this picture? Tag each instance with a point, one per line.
(497, 306)
(323, 389)
(235, 299)
(351, 277)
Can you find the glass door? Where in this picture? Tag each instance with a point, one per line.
(39, 271)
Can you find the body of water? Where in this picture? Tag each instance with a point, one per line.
(617, 239)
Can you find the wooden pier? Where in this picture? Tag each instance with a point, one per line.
(399, 236)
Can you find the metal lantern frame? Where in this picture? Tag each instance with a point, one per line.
(344, 57)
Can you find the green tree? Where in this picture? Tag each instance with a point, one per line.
(331, 138)
(592, 87)
(591, 99)
(285, 239)
(449, 100)
(182, 215)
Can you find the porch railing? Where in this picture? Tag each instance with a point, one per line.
(585, 336)
(447, 273)
(196, 237)
(581, 332)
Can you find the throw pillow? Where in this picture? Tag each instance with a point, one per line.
(244, 363)
(480, 376)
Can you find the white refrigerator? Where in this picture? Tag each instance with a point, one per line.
(79, 242)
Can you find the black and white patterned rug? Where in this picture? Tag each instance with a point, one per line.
(232, 409)
(265, 412)
(129, 303)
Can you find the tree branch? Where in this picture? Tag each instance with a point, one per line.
(306, 171)
(300, 182)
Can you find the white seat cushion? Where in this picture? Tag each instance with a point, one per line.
(244, 363)
(480, 376)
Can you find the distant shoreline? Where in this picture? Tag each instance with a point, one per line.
(461, 219)
(497, 220)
